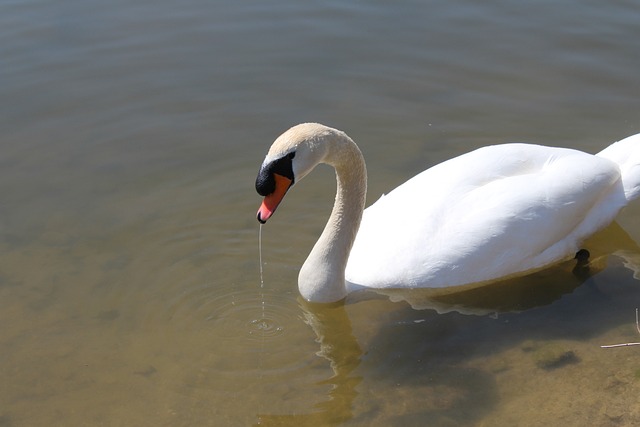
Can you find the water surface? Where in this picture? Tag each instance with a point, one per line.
(130, 286)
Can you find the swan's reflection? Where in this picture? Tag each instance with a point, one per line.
(339, 346)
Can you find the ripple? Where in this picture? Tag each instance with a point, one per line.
(265, 327)
(246, 322)
(252, 314)
(245, 335)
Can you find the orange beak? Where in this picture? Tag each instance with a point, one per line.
(271, 202)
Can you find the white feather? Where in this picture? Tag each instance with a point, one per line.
(488, 214)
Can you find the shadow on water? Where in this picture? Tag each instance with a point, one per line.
(415, 366)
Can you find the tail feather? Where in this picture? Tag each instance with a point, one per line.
(626, 153)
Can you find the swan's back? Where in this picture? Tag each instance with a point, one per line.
(494, 212)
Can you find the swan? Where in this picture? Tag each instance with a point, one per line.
(499, 211)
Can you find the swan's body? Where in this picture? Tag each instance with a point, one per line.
(499, 211)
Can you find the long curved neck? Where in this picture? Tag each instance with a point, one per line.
(321, 278)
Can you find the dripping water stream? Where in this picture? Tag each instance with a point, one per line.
(262, 324)
(260, 255)
(267, 323)
(261, 269)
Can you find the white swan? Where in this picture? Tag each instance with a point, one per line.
(499, 211)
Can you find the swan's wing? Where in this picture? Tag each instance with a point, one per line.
(491, 213)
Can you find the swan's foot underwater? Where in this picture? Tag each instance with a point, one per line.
(581, 269)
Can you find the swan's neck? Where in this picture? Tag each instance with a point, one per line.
(321, 277)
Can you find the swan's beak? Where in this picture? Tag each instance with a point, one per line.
(271, 201)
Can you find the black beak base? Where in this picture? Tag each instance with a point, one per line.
(266, 182)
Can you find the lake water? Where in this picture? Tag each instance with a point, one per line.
(131, 134)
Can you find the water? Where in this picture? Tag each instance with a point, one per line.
(130, 286)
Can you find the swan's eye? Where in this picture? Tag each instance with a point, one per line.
(291, 155)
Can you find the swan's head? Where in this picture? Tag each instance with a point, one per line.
(291, 157)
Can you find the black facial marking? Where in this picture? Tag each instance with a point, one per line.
(265, 182)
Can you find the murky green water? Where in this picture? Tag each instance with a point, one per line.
(131, 133)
